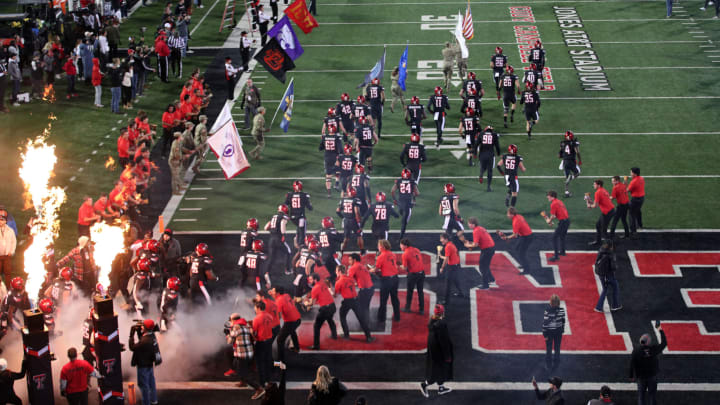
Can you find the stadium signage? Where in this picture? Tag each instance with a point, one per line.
(587, 64)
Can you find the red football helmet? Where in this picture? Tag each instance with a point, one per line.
(469, 112)
(376, 81)
(471, 75)
(202, 249)
(17, 284)
(297, 186)
(327, 222)
(252, 223)
(352, 191)
(145, 244)
(449, 188)
(362, 120)
(489, 128)
(313, 246)
(569, 135)
(283, 208)
(309, 238)
(331, 111)
(66, 273)
(538, 44)
(359, 169)
(498, 50)
(345, 97)
(415, 138)
(46, 306)
(347, 149)
(406, 173)
(173, 283)
(258, 245)
(153, 245)
(438, 91)
(380, 197)
(99, 289)
(473, 92)
(529, 86)
(512, 148)
(143, 265)
(510, 69)
(414, 100)
(361, 99)
(533, 66)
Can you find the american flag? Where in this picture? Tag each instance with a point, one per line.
(467, 24)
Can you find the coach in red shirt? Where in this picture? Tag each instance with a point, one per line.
(385, 265)
(637, 197)
(345, 286)
(320, 295)
(559, 212)
(413, 265)
(74, 378)
(451, 267)
(483, 241)
(607, 210)
(524, 236)
(262, 326)
(619, 193)
(363, 280)
(291, 321)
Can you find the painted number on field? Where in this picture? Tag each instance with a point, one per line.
(433, 71)
(435, 23)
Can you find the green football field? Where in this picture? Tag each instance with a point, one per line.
(660, 114)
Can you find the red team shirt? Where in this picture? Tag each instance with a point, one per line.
(619, 192)
(482, 238)
(76, 374)
(288, 310)
(345, 286)
(272, 309)
(520, 226)
(262, 326)
(386, 264)
(86, 210)
(451, 254)
(411, 260)
(321, 294)
(602, 199)
(123, 147)
(557, 209)
(637, 187)
(361, 275)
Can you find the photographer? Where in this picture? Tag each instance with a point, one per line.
(146, 354)
(240, 336)
(644, 366)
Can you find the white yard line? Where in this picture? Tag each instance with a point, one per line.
(437, 231)
(518, 134)
(196, 198)
(479, 69)
(204, 17)
(678, 176)
(493, 44)
(190, 209)
(553, 98)
(419, 3)
(476, 22)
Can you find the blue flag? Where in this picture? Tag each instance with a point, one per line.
(286, 105)
(285, 35)
(376, 72)
(403, 69)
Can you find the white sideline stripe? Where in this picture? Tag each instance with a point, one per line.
(184, 220)
(552, 98)
(478, 44)
(200, 188)
(476, 22)
(437, 231)
(487, 70)
(190, 209)
(714, 50)
(366, 3)
(687, 176)
(511, 134)
(204, 17)
(196, 198)
(455, 385)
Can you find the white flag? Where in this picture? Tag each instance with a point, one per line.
(222, 118)
(227, 146)
(460, 37)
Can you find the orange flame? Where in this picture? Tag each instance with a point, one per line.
(108, 244)
(110, 163)
(49, 93)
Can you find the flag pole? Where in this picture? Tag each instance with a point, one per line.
(280, 103)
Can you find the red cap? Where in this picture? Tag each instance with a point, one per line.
(439, 309)
(149, 324)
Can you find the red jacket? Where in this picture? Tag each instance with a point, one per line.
(96, 74)
(69, 68)
(161, 47)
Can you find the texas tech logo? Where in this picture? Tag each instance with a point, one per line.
(109, 364)
(39, 381)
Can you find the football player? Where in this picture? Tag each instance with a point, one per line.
(365, 139)
(332, 145)
(141, 287)
(333, 124)
(361, 182)
(349, 210)
(375, 94)
(277, 225)
(344, 110)
(380, 212)
(304, 264)
(472, 100)
(362, 109)
(169, 302)
(414, 115)
(408, 190)
(537, 56)
(531, 99)
(298, 201)
(449, 208)
(471, 83)
(437, 104)
(47, 307)
(63, 290)
(246, 239)
(15, 300)
(533, 76)
(329, 239)
(498, 62)
(468, 128)
(412, 156)
(508, 166)
(256, 262)
(346, 164)
(571, 160)
(509, 83)
(201, 264)
(488, 145)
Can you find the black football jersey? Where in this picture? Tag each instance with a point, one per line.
(169, 301)
(507, 82)
(416, 113)
(255, 261)
(472, 85)
(374, 92)
(358, 181)
(361, 110)
(381, 213)
(470, 125)
(332, 145)
(537, 56)
(413, 155)
(298, 202)
(499, 62)
(347, 207)
(488, 140)
(305, 256)
(438, 103)
(531, 100)
(329, 238)
(567, 149)
(531, 76)
(511, 164)
(472, 102)
(246, 239)
(446, 204)
(344, 110)
(332, 124)
(276, 223)
(364, 134)
(346, 163)
(406, 188)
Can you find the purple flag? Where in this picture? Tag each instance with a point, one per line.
(285, 35)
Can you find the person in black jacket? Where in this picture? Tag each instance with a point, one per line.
(7, 381)
(326, 389)
(553, 328)
(605, 267)
(274, 393)
(553, 395)
(439, 358)
(644, 367)
(144, 357)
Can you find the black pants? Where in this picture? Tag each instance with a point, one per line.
(230, 88)
(263, 32)
(76, 398)
(487, 163)
(126, 95)
(279, 248)
(377, 113)
(167, 139)
(313, 7)
(415, 281)
(486, 256)
(288, 329)
(163, 68)
(176, 61)
(452, 277)
(389, 289)
(521, 248)
(601, 226)
(620, 215)
(263, 360)
(559, 236)
(554, 338)
(351, 304)
(245, 55)
(364, 297)
(405, 212)
(636, 204)
(439, 125)
(274, 8)
(71, 85)
(325, 314)
(3, 86)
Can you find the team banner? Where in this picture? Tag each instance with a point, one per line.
(286, 106)
(402, 73)
(227, 146)
(460, 38)
(274, 58)
(376, 72)
(285, 35)
(467, 24)
(299, 13)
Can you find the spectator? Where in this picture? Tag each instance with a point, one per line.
(86, 53)
(146, 355)
(113, 38)
(644, 367)
(7, 382)
(182, 29)
(605, 397)
(16, 77)
(242, 340)
(97, 76)
(553, 395)
(71, 73)
(553, 328)
(115, 84)
(103, 48)
(3, 86)
(36, 76)
(8, 244)
(79, 262)
(123, 147)
(74, 378)
(326, 389)
(127, 79)
(605, 267)
(439, 358)
(48, 63)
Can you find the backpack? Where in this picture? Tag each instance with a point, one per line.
(604, 264)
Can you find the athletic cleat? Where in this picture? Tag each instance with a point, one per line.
(506, 125)
(489, 189)
(507, 201)
(512, 118)
(702, 8)
(423, 390)
(616, 309)
(480, 179)
(568, 194)
(597, 310)
(442, 390)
